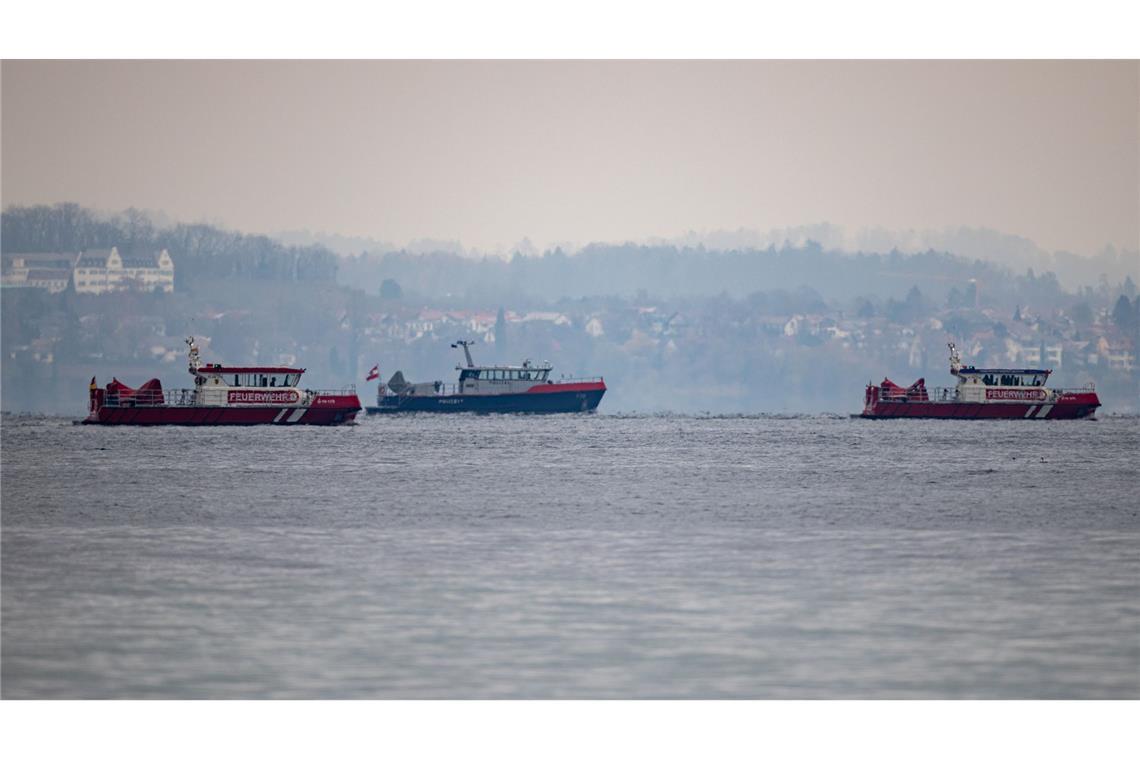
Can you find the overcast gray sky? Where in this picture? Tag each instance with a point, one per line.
(489, 152)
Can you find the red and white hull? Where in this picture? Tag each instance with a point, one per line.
(1069, 406)
(981, 394)
(325, 410)
(233, 395)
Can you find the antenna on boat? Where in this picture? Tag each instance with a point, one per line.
(955, 360)
(467, 351)
(195, 362)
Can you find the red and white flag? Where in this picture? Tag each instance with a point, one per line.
(373, 373)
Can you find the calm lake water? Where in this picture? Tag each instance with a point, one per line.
(576, 556)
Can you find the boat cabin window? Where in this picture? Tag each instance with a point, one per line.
(499, 375)
(259, 380)
(1034, 380)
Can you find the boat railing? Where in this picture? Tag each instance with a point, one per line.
(186, 397)
(347, 390)
(438, 389)
(934, 394)
(452, 389)
(164, 397)
(940, 395)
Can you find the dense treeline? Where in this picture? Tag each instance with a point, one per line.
(671, 272)
(200, 251)
(672, 328)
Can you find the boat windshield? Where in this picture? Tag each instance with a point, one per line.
(1013, 379)
(264, 379)
(507, 374)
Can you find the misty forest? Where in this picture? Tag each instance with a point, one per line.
(795, 326)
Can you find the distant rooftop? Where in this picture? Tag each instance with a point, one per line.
(96, 257)
(52, 260)
(49, 274)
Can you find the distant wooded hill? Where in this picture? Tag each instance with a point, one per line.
(670, 272)
(200, 251)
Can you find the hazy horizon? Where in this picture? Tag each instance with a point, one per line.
(487, 154)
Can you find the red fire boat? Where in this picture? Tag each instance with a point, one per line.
(982, 394)
(222, 396)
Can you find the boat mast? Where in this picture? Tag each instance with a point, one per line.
(467, 351)
(195, 362)
(955, 360)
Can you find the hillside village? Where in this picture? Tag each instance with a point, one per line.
(735, 353)
(124, 310)
(90, 271)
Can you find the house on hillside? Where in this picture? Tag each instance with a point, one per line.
(51, 280)
(1120, 358)
(149, 271)
(98, 271)
(49, 271)
(105, 271)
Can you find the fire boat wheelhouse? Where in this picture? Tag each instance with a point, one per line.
(525, 388)
(982, 394)
(222, 396)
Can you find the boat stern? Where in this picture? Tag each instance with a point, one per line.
(333, 407)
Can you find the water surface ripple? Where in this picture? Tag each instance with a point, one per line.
(572, 557)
